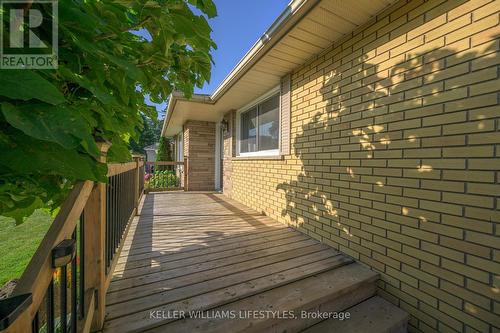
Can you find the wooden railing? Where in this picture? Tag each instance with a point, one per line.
(166, 175)
(63, 287)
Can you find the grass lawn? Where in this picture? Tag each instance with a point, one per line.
(19, 243)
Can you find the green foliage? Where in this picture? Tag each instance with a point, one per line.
(163, 179)
(51, 120)
(149, 135)
(164, 150)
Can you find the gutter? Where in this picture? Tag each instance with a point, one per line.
(261, 46)
(295, 10)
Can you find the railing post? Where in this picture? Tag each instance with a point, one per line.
(186, 172)
(95, 241)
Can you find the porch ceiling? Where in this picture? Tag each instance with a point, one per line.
(304, 29)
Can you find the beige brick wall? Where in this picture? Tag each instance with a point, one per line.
(396, 159)
(229, 152)
(199, 147)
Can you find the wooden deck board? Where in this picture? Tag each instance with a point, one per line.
(219, 273)
(196, 251)
(205, 253)
(174, 241)
(183, 269)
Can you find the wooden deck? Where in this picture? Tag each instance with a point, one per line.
(199, 251)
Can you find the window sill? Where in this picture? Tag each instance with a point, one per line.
(262, 157)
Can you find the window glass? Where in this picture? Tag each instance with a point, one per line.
(269, 124)
(248, 142)
(259, 127)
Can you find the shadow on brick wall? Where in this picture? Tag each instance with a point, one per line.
(380, 133)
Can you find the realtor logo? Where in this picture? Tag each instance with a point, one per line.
(28, 34)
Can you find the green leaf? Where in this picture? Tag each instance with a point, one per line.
(26, 85)
(33, 157)
(24, 209)
(119, 152)
(93, 86)
(206, 6)
(59, 124)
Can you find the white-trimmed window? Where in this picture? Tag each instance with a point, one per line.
(258, 126)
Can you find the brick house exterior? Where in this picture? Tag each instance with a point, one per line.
(199, 145)
(395, 158)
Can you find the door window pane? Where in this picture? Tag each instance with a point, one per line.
(269, 124)
(249, 131)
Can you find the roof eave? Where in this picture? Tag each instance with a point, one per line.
(178, 96)
(264, 43)
(296, 9)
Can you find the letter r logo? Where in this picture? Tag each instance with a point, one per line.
(29, 34)
(17, 28)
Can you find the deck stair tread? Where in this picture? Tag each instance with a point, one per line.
(375, 315)
(333, 290)
(209, 294)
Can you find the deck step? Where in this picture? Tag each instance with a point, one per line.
(135, 315)
(375, 315)
(331, 291)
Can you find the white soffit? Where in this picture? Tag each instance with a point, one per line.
(303, 30)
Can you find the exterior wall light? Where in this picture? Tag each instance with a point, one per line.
(224, 124)
(63, 253)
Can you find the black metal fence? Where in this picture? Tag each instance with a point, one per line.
(64, 298)
(120, 203)
(141, 179)
(55, 292)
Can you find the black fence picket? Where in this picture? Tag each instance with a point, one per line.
(120, 203)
